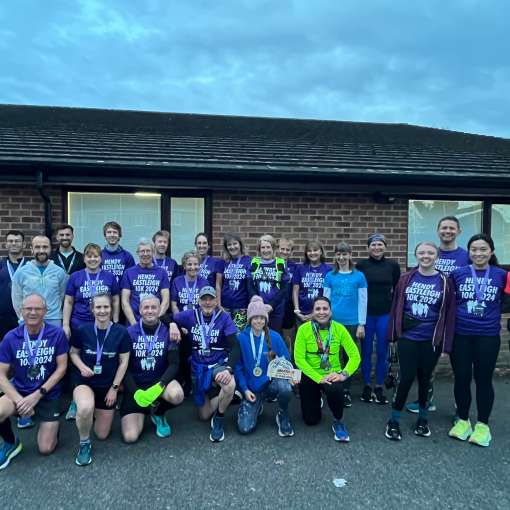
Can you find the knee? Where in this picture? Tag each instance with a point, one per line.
(130, 436)
(230, 388)
(285, 389)
(311, 420)
(175, 396)
(47, 448)
(244, 429)
(84, 410)
(203, 415)
(102, 434)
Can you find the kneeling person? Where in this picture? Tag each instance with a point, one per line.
(153, 366)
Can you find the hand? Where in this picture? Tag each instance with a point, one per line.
(325, 380)
(223, 377)
(269, 309)
(111, 397)
(67, 331)
(293, 382)
(26, 405)
(308, 318)
(175, 334)
(185, 331)
(86, 371)
(250, 397)
(360, 332)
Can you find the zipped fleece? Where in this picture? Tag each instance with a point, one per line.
(445, 327)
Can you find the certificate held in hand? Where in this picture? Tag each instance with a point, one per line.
(282, 368)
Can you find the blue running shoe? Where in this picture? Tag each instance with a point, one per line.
(9, 451)
(83, 458)
(415, 408)
(162, 427)
(340, 432)
(71, 413)
(217, 434)
(284, 428)
(25, 423)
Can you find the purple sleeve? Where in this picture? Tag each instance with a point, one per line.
(220, 266)
(165, 282)
(296, 276)
(115, 286)
(62, 346)
(125, 282)
(5, 350)
(71, 285)
(181, 320)
(230, 327)
(130, 261)
(125, 344)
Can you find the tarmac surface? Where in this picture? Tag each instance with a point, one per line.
(264, 470)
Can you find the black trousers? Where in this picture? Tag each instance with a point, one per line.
(351, 329)
(184, 374)
(478, 353)
(310, 393)
(415, 359)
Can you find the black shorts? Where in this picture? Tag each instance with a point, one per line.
(129, 404)
(289, 316)
(45, 410)
(215, 388)
(99, 395)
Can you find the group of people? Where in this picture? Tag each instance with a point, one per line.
(209, 328)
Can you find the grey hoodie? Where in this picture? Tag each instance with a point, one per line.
(51, 285)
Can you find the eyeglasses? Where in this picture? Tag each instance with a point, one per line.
(32, 309)
(144, 252)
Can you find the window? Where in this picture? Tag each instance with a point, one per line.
(500, 231)
(187, 215)
(424, 215)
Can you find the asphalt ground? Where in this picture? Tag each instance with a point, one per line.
(263, 470)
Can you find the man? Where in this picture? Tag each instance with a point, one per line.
(41, 276)
(215, 352)
(15, 244)
(144, 278)
(115, 258)
(161, 240)
(451, 256)
(37, 352)
(66, 255)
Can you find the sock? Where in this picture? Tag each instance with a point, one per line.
(482, 423)
(395, 415)
(163, 407)
(84, 442)
(422, 413)
(218, 414)
(6, 431)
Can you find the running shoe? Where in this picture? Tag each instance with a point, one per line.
(162, 427)
(217, 434)
(422, 427)
(379, 396)
(322, 402)
(271, 400)
(9, 451)
(237, 398)
(284, 428)
(462, 430)
(347, 399)
(295, 390)
(393, 430)
(481, 436)
(340, 432)
(367, 396)
(71, 413)
(415, 408)
(83, 458)
(25, 423)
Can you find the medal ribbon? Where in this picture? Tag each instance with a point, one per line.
(480, 290)
(92, 286)
(149, 346)
(11, 269)
(255, 357)
(100, 348)
(32, 354)
(324, 346)
(192, 295)
(233, 270)
(155, 260)
(70, 265)
(206, 336)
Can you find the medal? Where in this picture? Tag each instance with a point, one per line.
(478, 309)
(149, 346)
(98, 369)
(190, 293)
(257, 371)
(206, 352)
(323, 347)
(206, 333)
(325, 365)
(34, 371)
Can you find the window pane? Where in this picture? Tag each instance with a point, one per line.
(424, 215)
(187, 216)
(500, 231)
(139, 215)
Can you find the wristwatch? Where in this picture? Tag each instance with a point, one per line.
(297, 311)
(230, 371)
(345, 374)
(115, 386)
(43, 391)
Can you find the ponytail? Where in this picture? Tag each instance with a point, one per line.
(271, 354)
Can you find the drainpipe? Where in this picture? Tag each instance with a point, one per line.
(47, 204)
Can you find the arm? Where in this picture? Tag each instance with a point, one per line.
(252, 287)
(240, 376)
(111, 396)
(172, 358)
(126, 307)
(295, 296)
(129, 382)
(219, 286)
(63, 285)
(300, 357)
(352, 351)
(116, 308)
(327, 292)
(390, 332)
(362, 312)
(165, 300)
(6, 386)
(75, 355)
(174, 307)
(233, 350)
(450, 316)
(68, 310)
(396, 276)
(281, 294)
(17, 292)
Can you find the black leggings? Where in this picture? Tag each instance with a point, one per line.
(480, 352)
(6, 432)
(415, 359)
(310, 393)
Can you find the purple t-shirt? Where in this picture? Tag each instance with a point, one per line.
(291, 268)
(265, 278)
(141, 369)
(448, 261)
(234, 296)
(144, 280)
(208, 271)
(423, 302)
(78, 287)
(117, 263)
(13, 351)
(6, 308)
(179, 292)
(310, 280)
(468, 322)
(223, 326)
(171, 267)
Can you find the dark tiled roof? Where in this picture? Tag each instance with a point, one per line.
(172, 142)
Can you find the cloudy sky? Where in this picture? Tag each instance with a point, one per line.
(440, 63)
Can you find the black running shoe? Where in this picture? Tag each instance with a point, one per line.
(422, 427)
(367, 394)
(393, 430)
(379, 396)
(347, 399)
(238, 398)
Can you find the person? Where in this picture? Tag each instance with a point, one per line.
(269, 280)
(115, 258)
(161, 240)
(183, 295)
(317, 355)
(477, 341)
(66, 256)
(208, 266)
(382, 276)
(100, 352)
(37, 353)
(14, 244)
(233, 271)
(258, 346)
(346, 287)
(215, 351)
(421, 333)
(41, 276)
(151, 376)
(144, 278)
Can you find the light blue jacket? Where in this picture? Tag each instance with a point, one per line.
(51, 285)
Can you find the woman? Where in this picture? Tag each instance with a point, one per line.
(259, 346)
(317, 354)
(347, 289)
(187, 287)
(476, 342)
(422, 322)
(382, 276)
(233, 270)
(100, 352)
(285, 248)
(208, 267)
(269, 280)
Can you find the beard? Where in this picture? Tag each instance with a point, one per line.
(65, 243)
(41, 257)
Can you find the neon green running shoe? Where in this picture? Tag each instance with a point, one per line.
(481, 435)
(462, 430)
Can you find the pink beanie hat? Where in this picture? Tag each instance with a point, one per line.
(257, 307)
